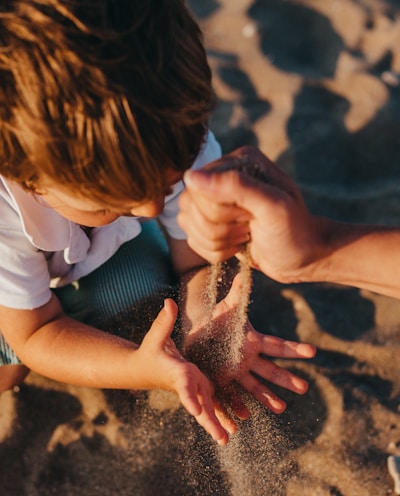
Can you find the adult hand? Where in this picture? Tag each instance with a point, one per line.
(244, 197)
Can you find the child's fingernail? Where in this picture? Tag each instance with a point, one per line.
(306, 350)
(232, 428)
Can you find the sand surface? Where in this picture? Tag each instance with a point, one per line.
(315, 84)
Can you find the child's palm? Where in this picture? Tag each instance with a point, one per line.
(170, 371)
(248, 364)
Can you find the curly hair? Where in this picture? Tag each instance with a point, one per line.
(101, 96)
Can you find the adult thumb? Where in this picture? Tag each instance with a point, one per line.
(228, 187)
(234, 188)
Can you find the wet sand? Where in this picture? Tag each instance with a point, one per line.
(315, 84)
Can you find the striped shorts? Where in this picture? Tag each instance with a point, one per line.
(124, 295)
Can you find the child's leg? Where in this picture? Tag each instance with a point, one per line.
(12, 371)
(12, 375)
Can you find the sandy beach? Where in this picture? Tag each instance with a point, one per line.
(316, 85)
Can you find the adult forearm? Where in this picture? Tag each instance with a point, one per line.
(363, 256)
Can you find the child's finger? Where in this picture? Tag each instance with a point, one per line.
(227, 423)
(207, 417)
(212, 425)
(195, 393)
(234, 399)
(188, 391)
(163, 324)
(235, 294)
(262, 393)
(279, 376)
(278, 347)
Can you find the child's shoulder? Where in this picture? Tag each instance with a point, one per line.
(210, 151)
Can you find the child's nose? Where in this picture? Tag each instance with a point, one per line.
(149, 209)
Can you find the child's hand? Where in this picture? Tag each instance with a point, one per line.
(212, 348)
(256, 348)
(165, 368)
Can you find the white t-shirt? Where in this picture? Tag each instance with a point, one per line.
(40, 249)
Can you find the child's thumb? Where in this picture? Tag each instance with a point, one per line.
(163, 324)
(235, 293)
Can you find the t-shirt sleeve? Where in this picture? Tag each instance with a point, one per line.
(209, 152)
(24, 274)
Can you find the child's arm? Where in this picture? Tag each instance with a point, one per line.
(56, 346)
(255, 345)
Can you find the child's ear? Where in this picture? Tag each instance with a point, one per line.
(39, 192)
(33, 186)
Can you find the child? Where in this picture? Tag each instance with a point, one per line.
(104, 105)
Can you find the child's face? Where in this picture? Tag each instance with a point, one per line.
(90, 213)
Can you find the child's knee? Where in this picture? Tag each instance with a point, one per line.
(11, 376)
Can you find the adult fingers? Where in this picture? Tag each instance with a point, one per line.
(215, 235)
(234, 188)
(234, 398)
(211, 206)
(250, 162)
